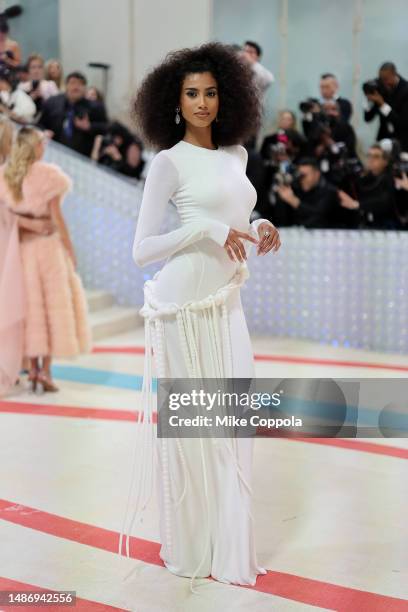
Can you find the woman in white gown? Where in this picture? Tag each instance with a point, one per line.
(197, 106)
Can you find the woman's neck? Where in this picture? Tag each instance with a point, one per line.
(201, 137)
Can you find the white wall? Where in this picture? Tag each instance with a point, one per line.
(131, 35)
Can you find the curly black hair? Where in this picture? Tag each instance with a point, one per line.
(239, 113)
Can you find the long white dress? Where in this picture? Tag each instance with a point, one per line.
(195, 324)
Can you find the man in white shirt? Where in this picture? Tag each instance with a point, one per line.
(252, 54)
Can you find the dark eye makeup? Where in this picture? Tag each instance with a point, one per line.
(191, 93)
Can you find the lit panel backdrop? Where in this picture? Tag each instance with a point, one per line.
(342, 288)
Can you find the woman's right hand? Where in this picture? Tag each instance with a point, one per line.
(234, 245)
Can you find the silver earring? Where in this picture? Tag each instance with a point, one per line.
(216, 119)
(177, 118)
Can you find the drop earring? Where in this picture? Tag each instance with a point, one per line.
(177, 118)
(216, 119)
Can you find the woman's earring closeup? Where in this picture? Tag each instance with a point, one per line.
(216, 119)
(177, 118)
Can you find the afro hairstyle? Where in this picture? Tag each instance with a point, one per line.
(239, 113)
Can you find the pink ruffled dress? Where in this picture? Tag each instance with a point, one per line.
(52, 300)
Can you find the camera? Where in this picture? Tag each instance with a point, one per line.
(283, 178)
(277, 150)
(398, 158)
(400, 166)
(371, 86)
(81, 112)
(307, 105)
(107, 140)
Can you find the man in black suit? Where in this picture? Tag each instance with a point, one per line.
(329, 87)
(375, 192)
(71, 119)
(314, 201)
(390, 103)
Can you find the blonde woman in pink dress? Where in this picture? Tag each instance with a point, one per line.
(12, 299)
(55, 320)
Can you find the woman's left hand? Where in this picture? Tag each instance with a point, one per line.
(268, 238)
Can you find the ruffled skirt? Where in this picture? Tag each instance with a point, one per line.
(56, 321)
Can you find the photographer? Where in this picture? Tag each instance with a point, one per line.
(110, 149)
(336, 148)
(280, 153)
(387, 98)
(331, 140)
(37, 87)
(329, 87)
(312, 117)
(71, 119)
(313, 201)
(375, 200)
(14, 102)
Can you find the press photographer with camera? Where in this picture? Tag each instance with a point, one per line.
(331, 140)
(110, 148)
(375, 199)
(286, 121)
(36, 86)
(280, 153)
(329, 91)
(313, 200)
(387, 98)
(71, 119)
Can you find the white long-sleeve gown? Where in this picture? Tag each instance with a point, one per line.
(196, 326)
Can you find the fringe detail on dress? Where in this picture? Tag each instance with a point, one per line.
(215, 314)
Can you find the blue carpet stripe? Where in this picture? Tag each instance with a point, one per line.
(90, 376)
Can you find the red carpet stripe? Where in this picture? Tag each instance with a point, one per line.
(128, 415)
(280, 584)
(84, 605)
(70, 411)
(358, 445)
(139, 350)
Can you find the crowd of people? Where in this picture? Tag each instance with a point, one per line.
(71, 113)
(307, 172)
(312, 174)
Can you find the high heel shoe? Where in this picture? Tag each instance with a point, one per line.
(45, 382)
(32, 380)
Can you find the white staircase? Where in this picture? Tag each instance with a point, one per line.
(108, 319)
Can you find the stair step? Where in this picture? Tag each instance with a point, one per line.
(114, 320)
(99, 299)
